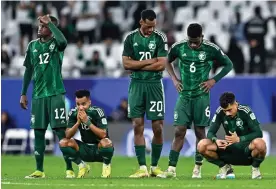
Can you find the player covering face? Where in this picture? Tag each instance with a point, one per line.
(95, 146)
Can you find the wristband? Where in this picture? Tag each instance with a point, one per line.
(88, 123)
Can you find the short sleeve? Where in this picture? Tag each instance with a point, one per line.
(100, 117)
(127, 46)
(72, 118)
(163, 45)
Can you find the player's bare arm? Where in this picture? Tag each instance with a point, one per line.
(177, 82)
(130, 64)
(70, 132)
(157, 66)
(101, 133)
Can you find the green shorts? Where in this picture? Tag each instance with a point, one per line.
(89, 152)
(236, 154)
(196, 110)
(146, 97)
(48, 110)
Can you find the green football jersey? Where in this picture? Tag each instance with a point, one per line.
(139, 48)
(96, 116)
(195, 64)
(245, 124)
(45, 59)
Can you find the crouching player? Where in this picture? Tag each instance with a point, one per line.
(95, 145)
(243, 143)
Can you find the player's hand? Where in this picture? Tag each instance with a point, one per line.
(152, 61)
(222, 144)
(178, 85)
(207, 85)
(234, 138)
(24, 102)
(78, 118)
(83, 116)
(44, 19)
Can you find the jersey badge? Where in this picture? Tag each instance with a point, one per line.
(152, 45)
(239, 123)
(52, 46)
(202, 56)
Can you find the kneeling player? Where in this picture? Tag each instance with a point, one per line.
(243, 144)
(95, 145)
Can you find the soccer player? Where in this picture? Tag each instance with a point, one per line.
(243, 143)
(196, 57)
(145, 52)
(95, 145)
(43, 61)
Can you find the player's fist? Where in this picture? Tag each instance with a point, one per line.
(222, 144)
(45, 19)
(234, 138)
(24, 102)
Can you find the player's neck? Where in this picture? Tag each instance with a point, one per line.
(45, 39)
(142, 33)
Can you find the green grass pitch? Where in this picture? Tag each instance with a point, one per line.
(14, 168)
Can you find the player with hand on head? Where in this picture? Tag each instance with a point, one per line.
(95, 145)
(145, 54)
(243, 143)
(43, 62)
(195, 56)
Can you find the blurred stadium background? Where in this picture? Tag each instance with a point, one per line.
(95, 31)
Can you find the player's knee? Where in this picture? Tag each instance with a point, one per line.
(180, 132)
(63, 142)
(138, 127)
(105, 143)
(259, 144)
(157, 129)
(202, 146)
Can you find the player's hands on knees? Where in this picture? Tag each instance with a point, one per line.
(44, 19)
(178, 85)
(234, 138)
(83, 116)
(222, 144)
(207, 85)
(24, 102)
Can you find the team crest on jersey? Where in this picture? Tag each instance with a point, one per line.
(202, 55)
(152, 45)
(52, 46)
(239, 123)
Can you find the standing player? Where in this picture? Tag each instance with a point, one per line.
(145, 51)
(43, 61)
(195, 57)
(95, 145)
(243, 144)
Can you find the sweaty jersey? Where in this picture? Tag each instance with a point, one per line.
(96, 116)
(139, 48)
(195, 64)
(45, 60)
(245, 124)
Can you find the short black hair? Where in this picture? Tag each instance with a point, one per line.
(226, 99)
(82, 93)
(148, 14)
(194, 30)
(54, 20)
